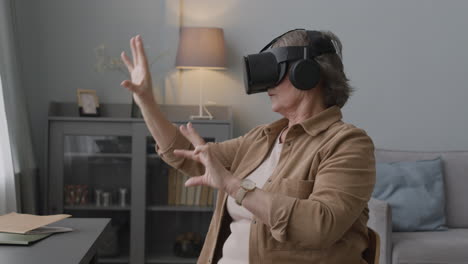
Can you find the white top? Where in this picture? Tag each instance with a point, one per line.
(236, 247)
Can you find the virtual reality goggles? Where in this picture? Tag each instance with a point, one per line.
(266, 69)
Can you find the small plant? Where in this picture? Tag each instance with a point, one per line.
(106, 62)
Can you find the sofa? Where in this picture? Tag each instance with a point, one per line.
(448, 247)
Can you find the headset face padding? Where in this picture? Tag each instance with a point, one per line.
(304, 74)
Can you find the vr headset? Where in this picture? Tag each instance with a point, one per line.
(266, 69)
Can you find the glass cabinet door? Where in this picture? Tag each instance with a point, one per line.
(97, 172)
(96, 183)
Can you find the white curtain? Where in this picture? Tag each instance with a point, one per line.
(8, 201)
(18, 169)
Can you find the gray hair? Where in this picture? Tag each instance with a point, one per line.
(336, 88)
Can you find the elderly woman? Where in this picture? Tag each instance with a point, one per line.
(293, 191)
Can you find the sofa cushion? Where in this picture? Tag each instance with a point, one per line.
(449, 247)
(415, 192)
(455, 171)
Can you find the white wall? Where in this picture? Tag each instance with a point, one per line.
(58, 39)
(407, 59)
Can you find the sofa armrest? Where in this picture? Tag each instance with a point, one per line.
(380, 220)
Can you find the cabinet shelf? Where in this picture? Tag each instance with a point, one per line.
(97, 208)
(122, 259)
(98, 155)
(168, 208)
(167, 258)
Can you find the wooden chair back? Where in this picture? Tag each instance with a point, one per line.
(372, 253)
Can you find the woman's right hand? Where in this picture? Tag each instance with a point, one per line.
(140, 84)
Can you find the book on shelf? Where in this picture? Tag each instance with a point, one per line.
(190, 195)
(179, 195)
(204, 196)
(178, 178)
(197, 195)
(210, 196)
(183, 190)
(171, 186)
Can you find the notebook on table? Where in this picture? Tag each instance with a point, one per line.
(24, 229)
(20, 239)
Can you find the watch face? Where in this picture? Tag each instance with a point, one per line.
(248, 185)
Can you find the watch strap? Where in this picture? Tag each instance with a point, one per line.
(242, 192)
(240, 195)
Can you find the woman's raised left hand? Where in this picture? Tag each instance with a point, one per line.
(216, 175)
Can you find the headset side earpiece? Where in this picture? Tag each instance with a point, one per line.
(304, 74)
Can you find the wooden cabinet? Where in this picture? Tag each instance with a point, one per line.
(107, 167)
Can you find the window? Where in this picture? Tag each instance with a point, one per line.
(7, 180)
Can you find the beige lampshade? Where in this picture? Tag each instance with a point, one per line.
(201, 47)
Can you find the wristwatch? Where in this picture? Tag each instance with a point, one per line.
(245, 187)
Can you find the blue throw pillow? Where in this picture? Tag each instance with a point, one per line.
(415, 192)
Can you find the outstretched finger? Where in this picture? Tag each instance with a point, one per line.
(192, 135)
(127, 61)
(187, 154)
(194, 181)
(134, 51)
(141, 50)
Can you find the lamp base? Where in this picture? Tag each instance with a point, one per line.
(200, 117)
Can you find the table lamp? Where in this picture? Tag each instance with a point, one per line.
(201, 48)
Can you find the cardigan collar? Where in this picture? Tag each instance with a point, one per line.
(313, 125)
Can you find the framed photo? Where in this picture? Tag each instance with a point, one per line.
(88, 103)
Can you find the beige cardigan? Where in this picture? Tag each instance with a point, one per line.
(322, 183)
